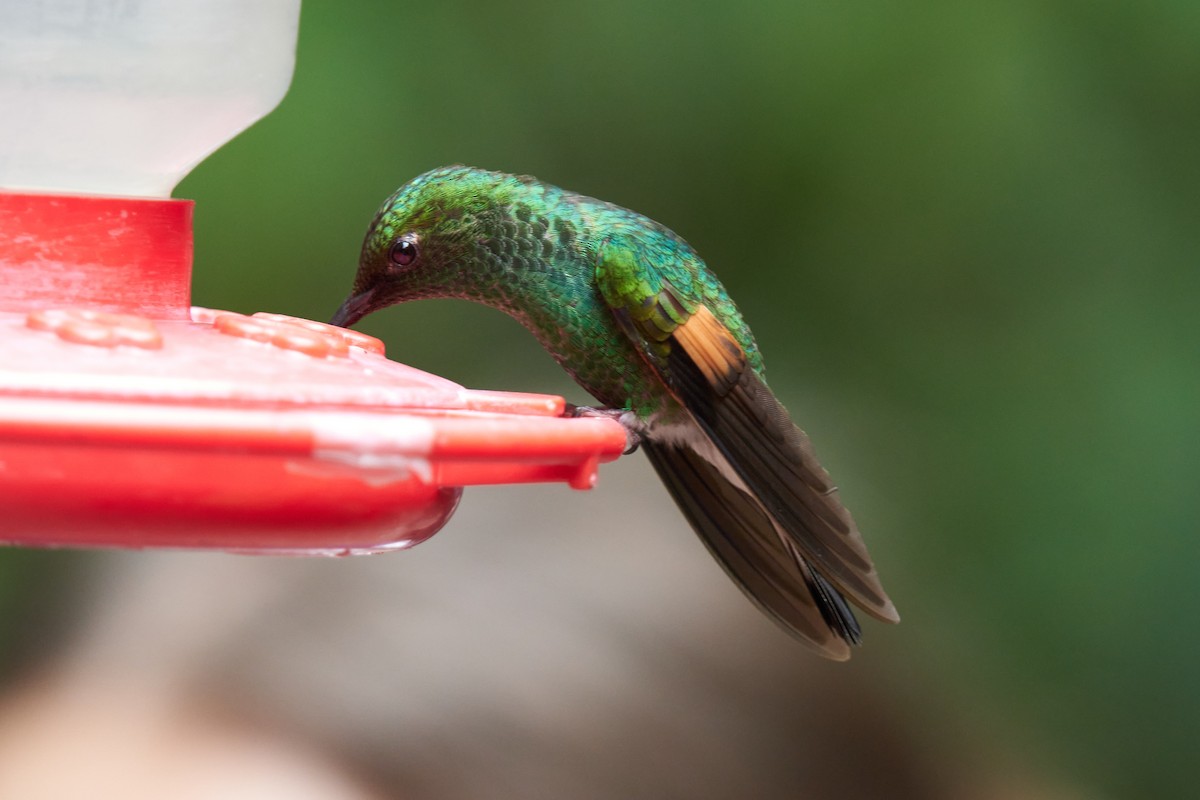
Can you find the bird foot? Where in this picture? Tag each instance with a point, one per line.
(633, 438)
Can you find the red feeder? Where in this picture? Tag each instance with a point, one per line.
(129, 420)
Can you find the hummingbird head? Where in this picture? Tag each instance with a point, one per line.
(429, 239)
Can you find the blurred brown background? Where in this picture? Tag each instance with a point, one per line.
(967, 240)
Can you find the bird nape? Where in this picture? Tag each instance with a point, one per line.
(634, 315)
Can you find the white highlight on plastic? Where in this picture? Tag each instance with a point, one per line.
(370, 442)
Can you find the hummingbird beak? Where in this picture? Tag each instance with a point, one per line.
(355, 308)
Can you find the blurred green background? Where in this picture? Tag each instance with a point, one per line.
(966, 236)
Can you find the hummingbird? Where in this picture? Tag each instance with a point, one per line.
(634, 315)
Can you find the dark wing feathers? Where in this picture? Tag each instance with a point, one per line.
(745, 542)
(756, 435)
(787, 540)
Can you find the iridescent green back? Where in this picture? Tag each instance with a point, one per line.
(531, 249)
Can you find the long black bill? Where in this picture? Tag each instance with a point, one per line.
(355, 308)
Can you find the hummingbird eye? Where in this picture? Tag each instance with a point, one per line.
(403, 252)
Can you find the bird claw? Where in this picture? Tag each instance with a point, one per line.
(633, 439)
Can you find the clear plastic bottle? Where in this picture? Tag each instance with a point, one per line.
(124, 97)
